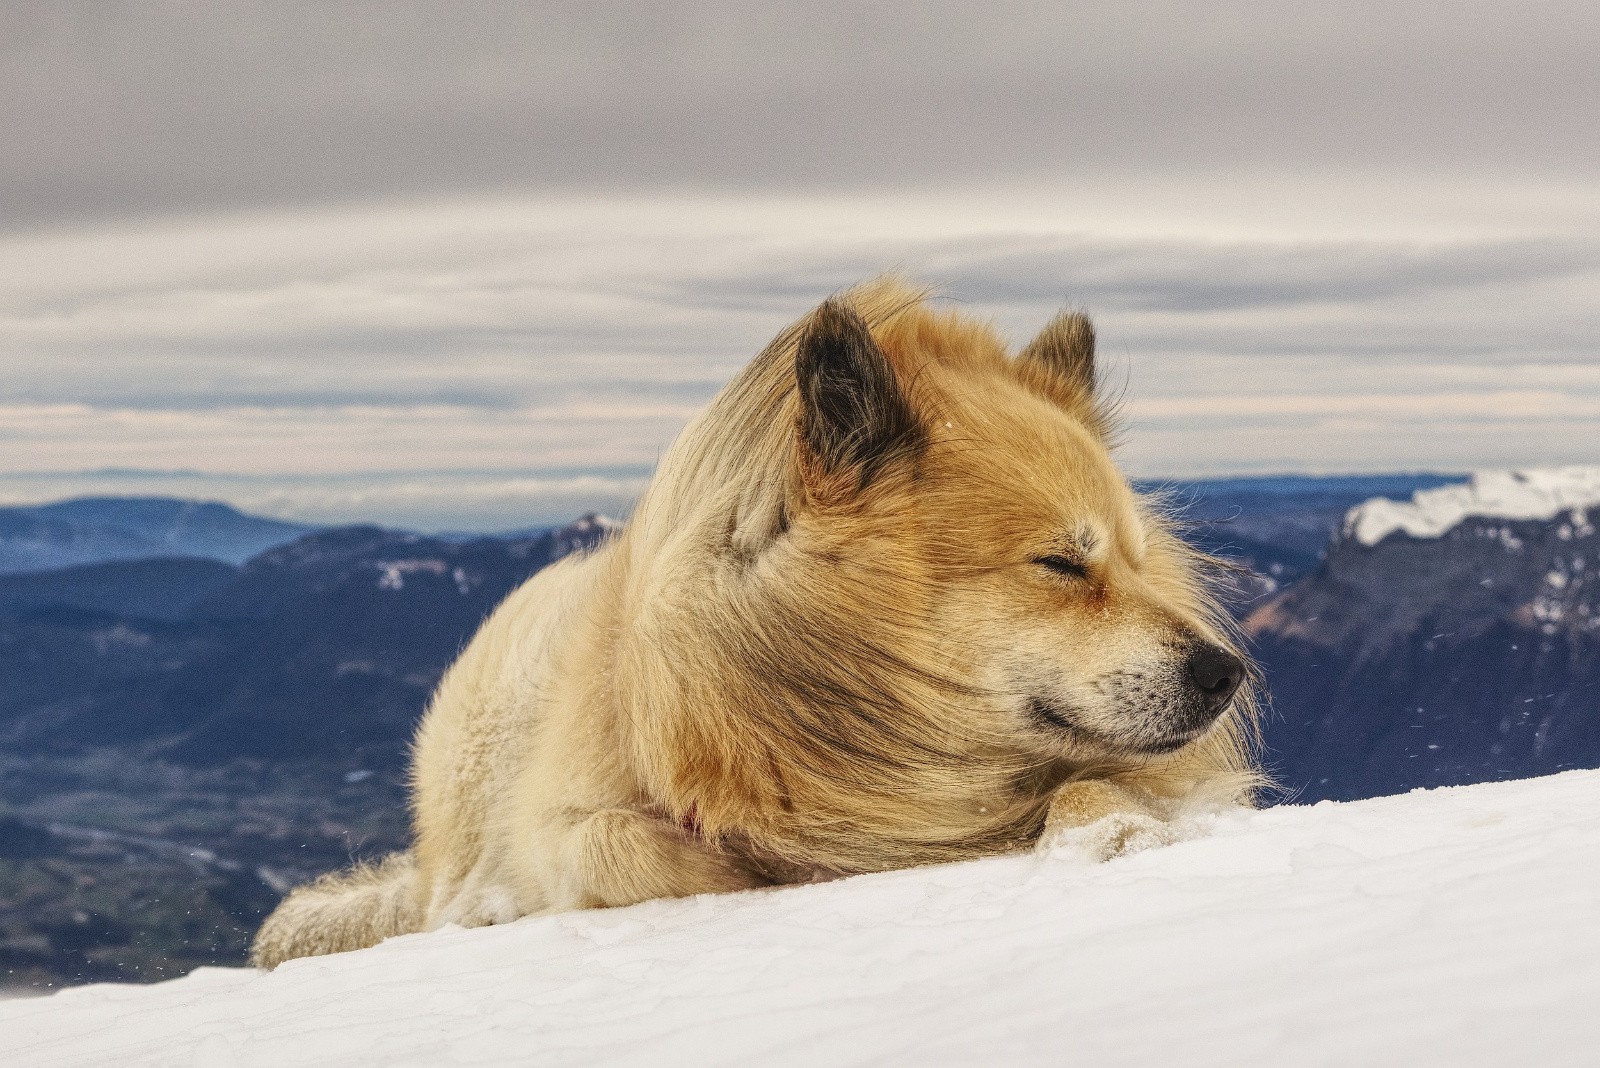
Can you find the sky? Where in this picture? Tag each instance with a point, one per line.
(472, 266)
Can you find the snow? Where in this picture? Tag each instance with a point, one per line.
(1538, 493)
(1452, 926)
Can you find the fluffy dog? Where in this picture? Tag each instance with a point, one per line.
(886, 602)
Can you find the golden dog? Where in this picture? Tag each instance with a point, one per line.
(886, 602)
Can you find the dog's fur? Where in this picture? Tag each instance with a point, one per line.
(886, 602)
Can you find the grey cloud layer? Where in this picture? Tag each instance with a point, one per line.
(303, 251)
(340, 351)
(474, 306)
(111, 109)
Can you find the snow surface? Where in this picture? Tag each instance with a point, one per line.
(1453, 926)
(1532, 494)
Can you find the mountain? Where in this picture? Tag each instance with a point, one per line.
(262, 712)
(1453, 927)
(90, 530)
(325, 649)
(1454, 638)
(160, 588)
(181, 740)
(1277, 526)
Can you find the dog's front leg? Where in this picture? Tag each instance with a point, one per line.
(621, 856)
(1104, 820)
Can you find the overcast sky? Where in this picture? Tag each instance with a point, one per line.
(473, 265)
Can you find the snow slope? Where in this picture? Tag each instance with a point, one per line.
(1455, 926)
(1532, 494)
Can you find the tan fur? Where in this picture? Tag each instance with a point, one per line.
(788, 667)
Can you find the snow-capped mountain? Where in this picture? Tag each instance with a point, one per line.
(1530, 494)
(1451, 638)
(1454, 927)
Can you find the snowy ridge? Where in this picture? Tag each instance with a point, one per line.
(1453, 926)
(1538, 493)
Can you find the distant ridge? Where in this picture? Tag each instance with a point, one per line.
(325, 647)
(1279, 523)
(92, 530)
(162, 588)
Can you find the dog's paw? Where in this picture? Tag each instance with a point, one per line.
(1116, 835)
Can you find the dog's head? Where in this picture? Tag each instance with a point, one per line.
(971, 498)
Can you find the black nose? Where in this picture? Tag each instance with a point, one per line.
(1216, 673)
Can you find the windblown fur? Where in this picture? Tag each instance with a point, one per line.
(886, 602)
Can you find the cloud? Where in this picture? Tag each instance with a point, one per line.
(118, 109)
(324, 247)
(655, 277)
(571, 332)
(335, 440)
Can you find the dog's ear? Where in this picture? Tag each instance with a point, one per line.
(1060, 362)
(854, 418)
(1065, 349)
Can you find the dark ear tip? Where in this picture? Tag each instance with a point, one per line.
(853, 415)
(834, 316)
(833, 333)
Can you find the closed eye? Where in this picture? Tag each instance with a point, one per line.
(1063, 565)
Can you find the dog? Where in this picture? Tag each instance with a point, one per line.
(886, 602)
